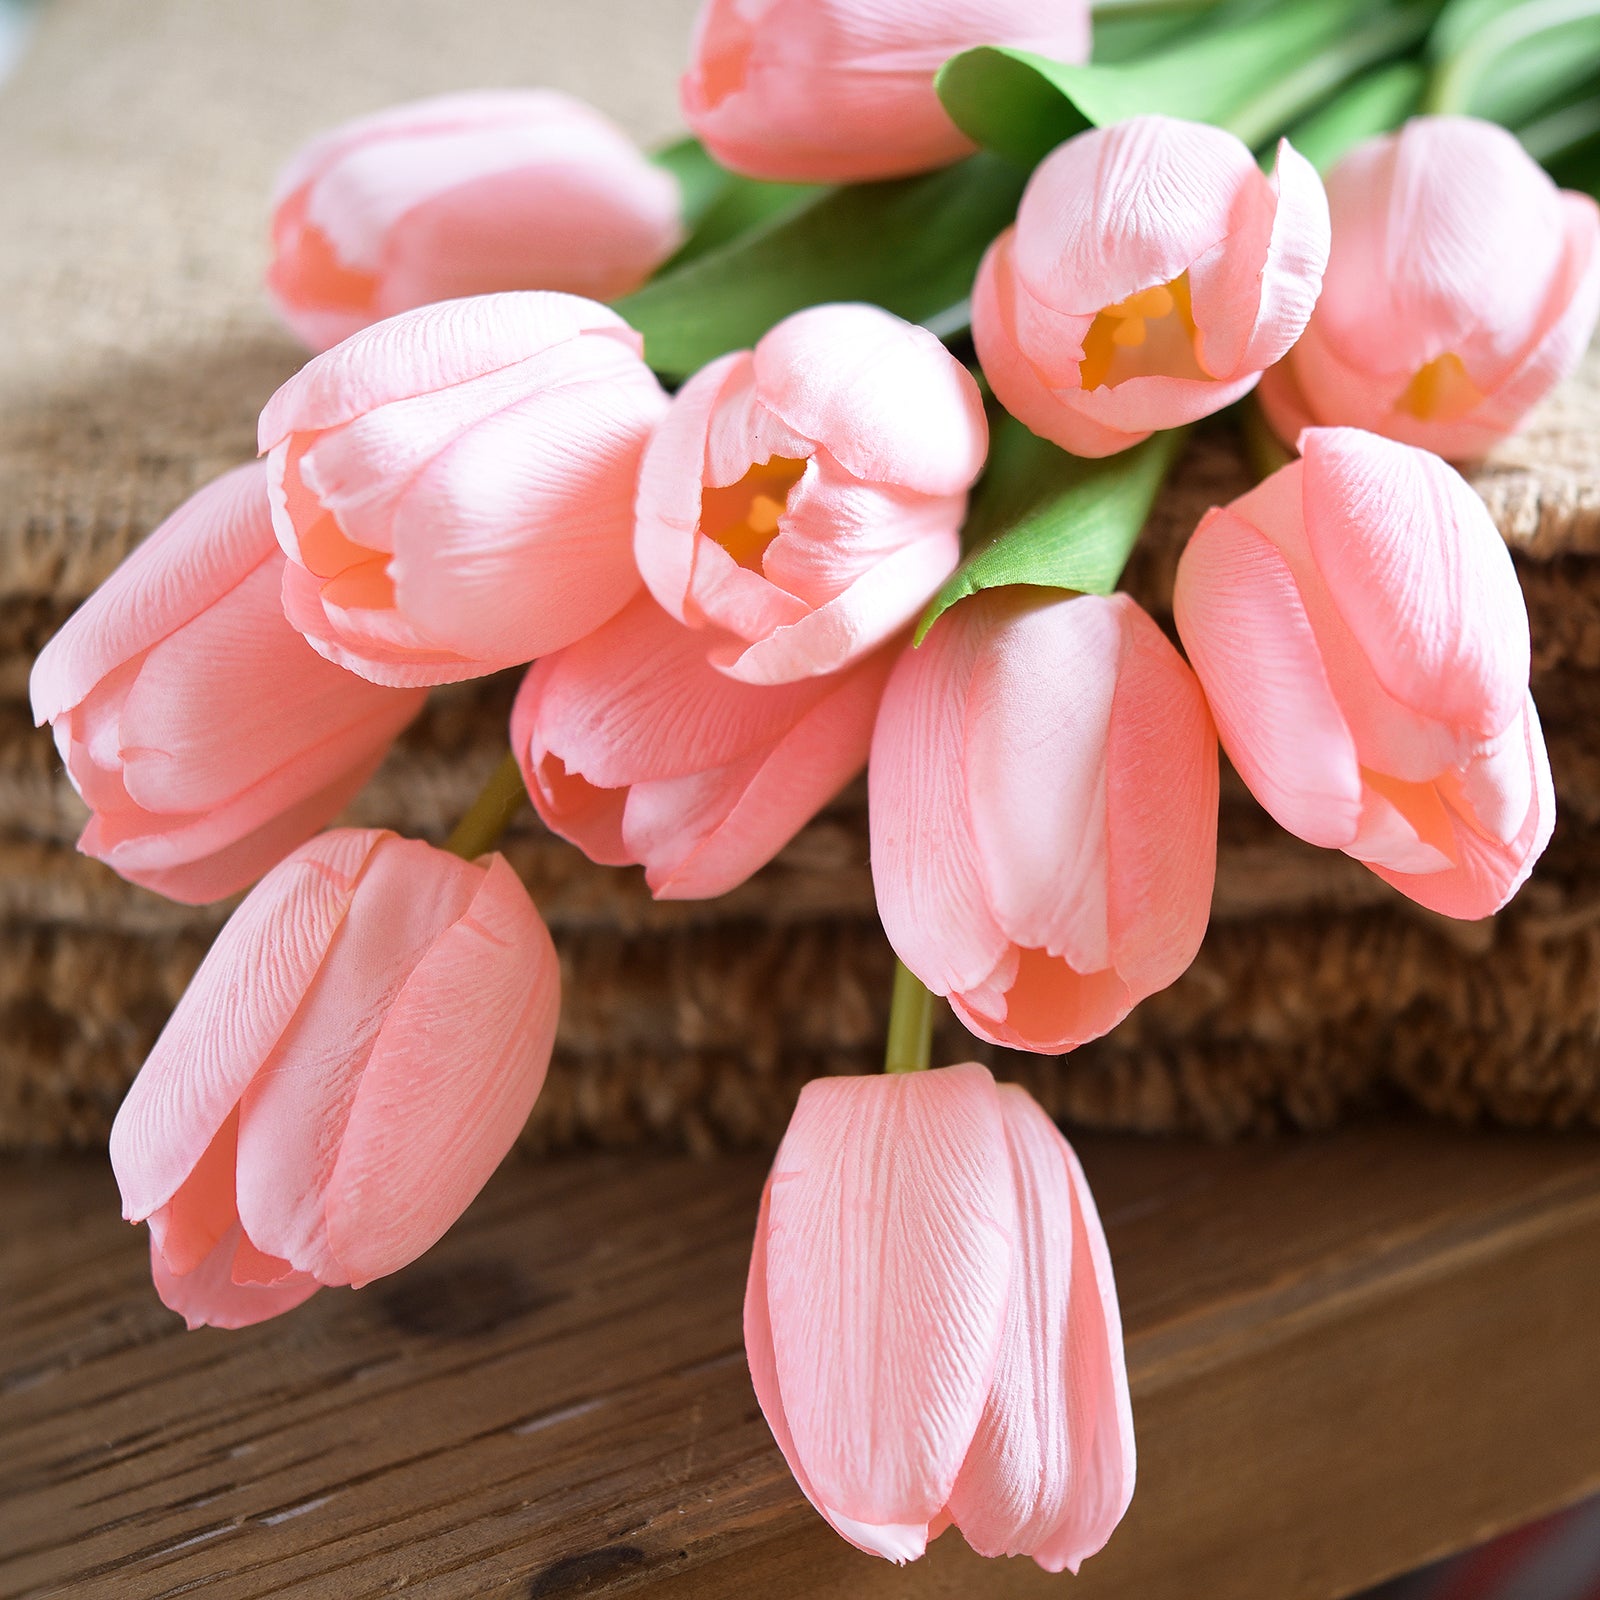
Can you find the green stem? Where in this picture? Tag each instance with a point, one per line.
(910, 1024)
(1455, 82)
(486, 819)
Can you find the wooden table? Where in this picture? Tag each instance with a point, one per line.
(1348, 1355)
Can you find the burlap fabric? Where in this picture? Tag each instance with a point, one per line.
(136, 147)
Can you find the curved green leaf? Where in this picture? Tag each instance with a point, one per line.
(911, 246)
(1375, 103)
(1052, 520)
(718, 205)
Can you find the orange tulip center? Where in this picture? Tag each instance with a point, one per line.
(1150, 334)
(743, 518)
(1421, 805)
(1441, 391)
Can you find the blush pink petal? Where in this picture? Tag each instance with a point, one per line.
(887, 1263)
(208, 1296)
(1050, 1471)
(439, 1098)
(1244, 626)
(222, 1031)
(840, 91)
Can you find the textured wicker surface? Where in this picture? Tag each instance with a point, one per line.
(140, 144)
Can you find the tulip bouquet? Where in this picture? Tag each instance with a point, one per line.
(819, 442)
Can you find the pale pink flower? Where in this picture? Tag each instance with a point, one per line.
(802, 501)
(206, 737)
(1152, 274)
(1044, 814)
(464, 194)
(838, 91)
(637, 750)
(1462, 287)
(931, 1322)
(356, 1054)
(1358, 627)
(454, 487)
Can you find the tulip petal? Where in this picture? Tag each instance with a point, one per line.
(888, 1263)
(210, 544)
(926, 869)
(1244, 625)
(223, 1029)
(455, 1069)
(208, 1296)
(294, 1112)
(1420, 575)
(1050, 1470)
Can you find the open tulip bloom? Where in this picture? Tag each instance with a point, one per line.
(828, 549)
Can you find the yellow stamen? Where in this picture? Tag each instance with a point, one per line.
(1441, 391)
(743, 517)
(1127, 326)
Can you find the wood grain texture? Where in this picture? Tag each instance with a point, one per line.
(1348, 1355)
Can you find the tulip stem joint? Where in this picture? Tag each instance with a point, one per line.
(490, 814)
(910, 1023)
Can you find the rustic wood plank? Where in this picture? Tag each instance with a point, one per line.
(1348, 1355)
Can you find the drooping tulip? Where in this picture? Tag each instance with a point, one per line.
(931, 1322)
(1462, 287)
(1153, 273)
(460, 195)
(1043, 793)
(356, 1054)
(637, 750)
(841, 91)
(454, 487)
(207, 738)
(1358, 627)
(802, 501)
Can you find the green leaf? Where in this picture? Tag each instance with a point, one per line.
(1375, 103)
(1052, 520)
(1255, 76)
(911, 246)
(1509, 61)
(701, 181)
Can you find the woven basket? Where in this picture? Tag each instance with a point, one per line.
(141, 142)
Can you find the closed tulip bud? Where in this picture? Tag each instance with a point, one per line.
(207, 738)
(931, 1322)
(839, 91)
(1462, 287)
(454, 487)
(356, 1054)
(637, 750)
(801, 502)
(1043, 790)
(1153, 273)
(465, 194)
(1358, 627)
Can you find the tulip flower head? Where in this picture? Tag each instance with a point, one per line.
(357, 1053)
(637, 750)
(460, 195)
(199, 778)
(841, 91)
(1358, 627)
(454, 487)
(931, 1322)
(802, 501)
(1462, 287)
(1043, 789)
(1152, 274)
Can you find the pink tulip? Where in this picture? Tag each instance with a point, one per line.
(637, 750)
(1358, 628)
(838, 91)
(801, 502)
(204, 734)
(1152, 274)
(354, 1057)
(931, 1323)
(1044, 814)
(465, 194)
(454, 487)
(1462, 287)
